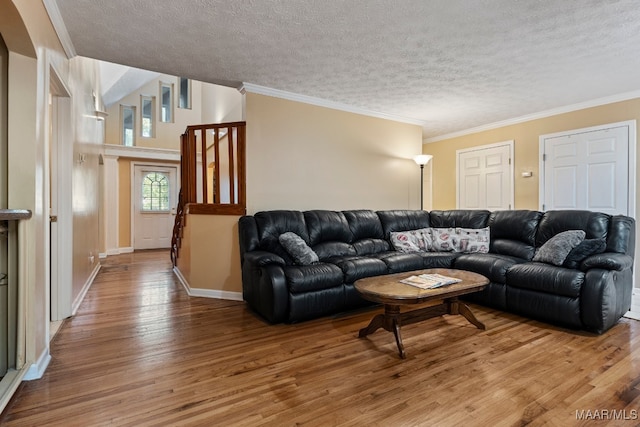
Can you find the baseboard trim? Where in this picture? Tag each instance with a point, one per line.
(102, 255)
(206, 293)
(85, 289)
(36, 370)
(125, 250)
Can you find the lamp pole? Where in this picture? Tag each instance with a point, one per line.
(422, 160)
(421, 187)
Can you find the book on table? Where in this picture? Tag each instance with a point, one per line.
(429, 281)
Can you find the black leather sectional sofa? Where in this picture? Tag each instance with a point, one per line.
(354, 244)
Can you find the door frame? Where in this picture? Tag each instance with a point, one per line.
(58, 179)
(174, 195)
(510, 144)
(631, 183)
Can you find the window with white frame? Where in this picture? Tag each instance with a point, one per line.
(166, 102)
(155, 192)
(147, 108)
(184, 95)
(128, 125)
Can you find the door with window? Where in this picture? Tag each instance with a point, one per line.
(154, 202)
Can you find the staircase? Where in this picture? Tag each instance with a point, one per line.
(212, 175)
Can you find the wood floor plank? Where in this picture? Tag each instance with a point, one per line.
(141, 352)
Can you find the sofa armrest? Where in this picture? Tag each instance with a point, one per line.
(607, 261)
(262, 258)
(605, 297)
(264, 285)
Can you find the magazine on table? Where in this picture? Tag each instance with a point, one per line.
(429, 281)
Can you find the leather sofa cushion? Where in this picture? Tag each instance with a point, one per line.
(371, 246)
(357, 267)
(306, 278)
(559, 310)
(398, 262)
(594, 224)
(403, 220)
(327, 226)
(459, 218)
(519, 225)
(329, 249)
(311, 305)
(492, 266)
(513, 233)
(438, 259)
(271, 224)
(622, 235)
(364, 224)
(546, 278)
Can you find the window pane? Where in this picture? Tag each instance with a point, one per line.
(185, 93)
(147, 116)
(128, 125)
(167, 103)
(155, 192)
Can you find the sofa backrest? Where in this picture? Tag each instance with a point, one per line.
(366, 231)
(459, 218)
(402, 220)
(271, 224)
(594, 224)
(619, 230)
(513, 233)
(621, 237)
(329, 233)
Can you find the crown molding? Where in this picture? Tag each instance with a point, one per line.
(540, 115)
(61, 29)
(276, 93)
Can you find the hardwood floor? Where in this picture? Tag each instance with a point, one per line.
(141, 352)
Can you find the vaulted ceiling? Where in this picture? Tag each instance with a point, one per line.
(448, 65)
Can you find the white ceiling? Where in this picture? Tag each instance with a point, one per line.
(449, 65)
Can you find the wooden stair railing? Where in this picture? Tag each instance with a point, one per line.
(218, 185)
(178, 226)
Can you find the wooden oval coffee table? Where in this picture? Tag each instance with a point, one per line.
(389, 291)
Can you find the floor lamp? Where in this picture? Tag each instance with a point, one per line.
(422, 160)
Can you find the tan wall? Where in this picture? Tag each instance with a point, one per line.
(29, 87)
(208, 266)
(301, 156)
(526, 152)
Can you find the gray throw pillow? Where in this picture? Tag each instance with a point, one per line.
(555, 250)
(297, 248)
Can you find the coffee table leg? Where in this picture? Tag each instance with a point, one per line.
(376, 323)
(456, 307)
(396, 332)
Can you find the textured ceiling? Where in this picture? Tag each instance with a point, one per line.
(451, 64)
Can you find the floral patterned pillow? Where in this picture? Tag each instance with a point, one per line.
(472, 240)
(443, 239)
(411, 240)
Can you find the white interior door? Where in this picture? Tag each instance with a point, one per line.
(485, 177)
(155, 197)
(587, 170)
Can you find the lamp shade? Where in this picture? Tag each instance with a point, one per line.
(422, 159)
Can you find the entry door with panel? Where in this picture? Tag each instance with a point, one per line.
(587, 170)
(485, 177)
(154, 206)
